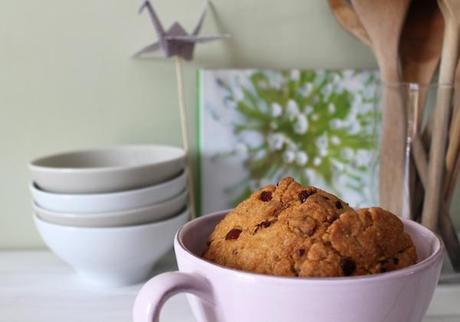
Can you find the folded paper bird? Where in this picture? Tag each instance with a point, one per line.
(175, 41)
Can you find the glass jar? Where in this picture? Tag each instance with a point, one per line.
(408, 114)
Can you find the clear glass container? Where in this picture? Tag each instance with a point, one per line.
(408, 113)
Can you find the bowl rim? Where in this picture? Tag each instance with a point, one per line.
(33, 166)
(183, 213)
(182, 195)
(35, 188)
(434, 257)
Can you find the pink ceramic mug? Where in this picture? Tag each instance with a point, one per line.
(227, 295)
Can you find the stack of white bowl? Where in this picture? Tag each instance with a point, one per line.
(110, 213)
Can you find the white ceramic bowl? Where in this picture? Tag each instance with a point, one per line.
(108, 202)
(112, 257)
(138, 216)
(107, 169)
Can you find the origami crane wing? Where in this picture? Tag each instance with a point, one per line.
(197, 29)
(148, 49)
(195, 39)
(153, 16)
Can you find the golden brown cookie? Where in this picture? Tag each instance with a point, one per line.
(292, 230)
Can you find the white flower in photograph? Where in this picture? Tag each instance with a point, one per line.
(363, 158)
(320, 76)
(335, 140)
(276, 141)
(241, 148)
(339, 166)
(231, 104)
(323, 152)
(348, 74)
(315, 117)
(350, 82)
(276, 80)
(366, 108)
(264, 107)
(323, 145)
(301, 158)
(295, 74)
(238, 94)
(252, 139)
(339, 88)
(327, 90)
(369, 92)
(317, 161)
(262, 84)
(292, 109)
(322, 141)
(288, 156)
(336, 124)
(308, 109)
(336, 79)
(291, 144)
(347, 153)
(331, 108)
(273, 125)
(277, 110)
(301, 124)
(357, 101)
(354, 128)
(314, 176)
(306, 89)
(260, 154)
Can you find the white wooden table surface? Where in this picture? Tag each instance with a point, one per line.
(35, 286)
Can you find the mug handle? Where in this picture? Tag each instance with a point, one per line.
(159, 289)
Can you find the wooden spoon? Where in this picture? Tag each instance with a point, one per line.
(421, 42)
(383, 21)
(428, 129)
(420, 47)
(348, 19)
(420, 50)
(451, 11)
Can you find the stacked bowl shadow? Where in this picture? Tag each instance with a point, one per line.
(110, 213)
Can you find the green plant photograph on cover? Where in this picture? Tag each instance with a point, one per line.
(257, 126)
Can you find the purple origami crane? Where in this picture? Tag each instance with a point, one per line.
(175, 41)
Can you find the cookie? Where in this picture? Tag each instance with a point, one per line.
(292, 230)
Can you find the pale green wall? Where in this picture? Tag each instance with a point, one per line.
(67, 80)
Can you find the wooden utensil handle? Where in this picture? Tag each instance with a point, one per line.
(450, 238)
(446, 227)
(184, 132)
(452, 181)
(436, 166)
(392, 151)
(420, 159)
(349, 20)
(452, 156)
